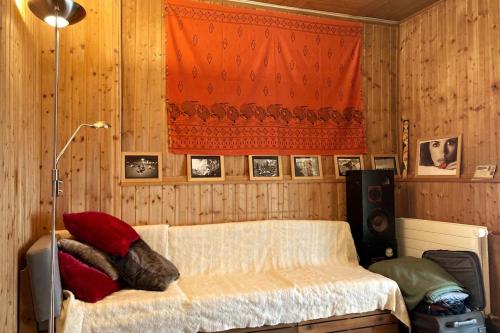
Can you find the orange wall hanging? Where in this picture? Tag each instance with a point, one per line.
(244, 81)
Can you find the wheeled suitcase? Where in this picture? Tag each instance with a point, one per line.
(465, 267)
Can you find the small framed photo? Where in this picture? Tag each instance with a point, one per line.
(141, 167)
(205, 168)
(485, 171)
(344, 163)
(386, 162)
(306, 167)
(439, 157)
(265, 167)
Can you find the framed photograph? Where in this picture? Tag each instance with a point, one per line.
(485, 171)
(386, 162)
(265, 167)
(205, 168)
(344, 163)
(141, 167)
(306, 167)
(439, 157)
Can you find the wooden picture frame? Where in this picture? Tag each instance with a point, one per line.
(386, 162)
(347, 162)
(141, 167)
(439, 157)
(265, 167)
(306, 167)
(205, 168)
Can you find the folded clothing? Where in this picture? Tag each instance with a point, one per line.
(448, 297)
(443, 303)
(442, 308)
(418, 278)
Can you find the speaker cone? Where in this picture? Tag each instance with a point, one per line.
(378, 222)
(374, 193)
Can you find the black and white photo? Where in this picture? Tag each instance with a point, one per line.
(386, 162)
(205, 168)
(306, 167)
(265, 167)
(344, 163)
(141, 167)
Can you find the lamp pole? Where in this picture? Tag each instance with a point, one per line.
(59, 14)
(55, 176)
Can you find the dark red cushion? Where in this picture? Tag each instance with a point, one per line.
(87, 283)
(101, 230)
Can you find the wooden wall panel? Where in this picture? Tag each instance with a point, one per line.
(449, 82)
(145, 129)
(89, 91)
(113, 68)
(19, 156)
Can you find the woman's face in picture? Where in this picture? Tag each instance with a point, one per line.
(443, 151)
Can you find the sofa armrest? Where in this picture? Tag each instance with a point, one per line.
(38, 263)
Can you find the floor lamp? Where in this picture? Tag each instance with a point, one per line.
(58, 14)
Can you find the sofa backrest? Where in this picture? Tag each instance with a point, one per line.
(259, 246)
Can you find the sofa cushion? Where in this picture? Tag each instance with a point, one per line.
(143, 268)
(101, 230)
(259, 246)
(334, 290)
(89, 255)
(87, 283)
(129, 311)
(290, 295)
(232, 300)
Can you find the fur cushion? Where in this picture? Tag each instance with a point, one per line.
(89, 255)
(143, 268)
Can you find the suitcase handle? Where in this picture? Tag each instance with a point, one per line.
(456, 324)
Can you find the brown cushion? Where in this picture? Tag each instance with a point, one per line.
(89, 255)
(143, 268)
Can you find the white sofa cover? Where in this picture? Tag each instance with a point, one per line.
(244, 274)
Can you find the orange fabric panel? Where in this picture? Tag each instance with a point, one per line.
(244, 81)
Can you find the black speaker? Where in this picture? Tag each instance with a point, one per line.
(370, 213)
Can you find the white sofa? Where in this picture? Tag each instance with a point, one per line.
(245, 274)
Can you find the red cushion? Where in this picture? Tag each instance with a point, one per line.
(101, 230)
(87, 283)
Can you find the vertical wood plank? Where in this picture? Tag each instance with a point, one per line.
(168, 204)
(155, 205)
(217, 203)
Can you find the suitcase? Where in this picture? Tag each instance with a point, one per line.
(465, 267)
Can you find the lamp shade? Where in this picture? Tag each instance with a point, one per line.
(68, 12)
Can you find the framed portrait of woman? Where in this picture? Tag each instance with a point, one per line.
(439, 157)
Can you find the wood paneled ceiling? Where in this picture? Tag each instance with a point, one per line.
(393, 10)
